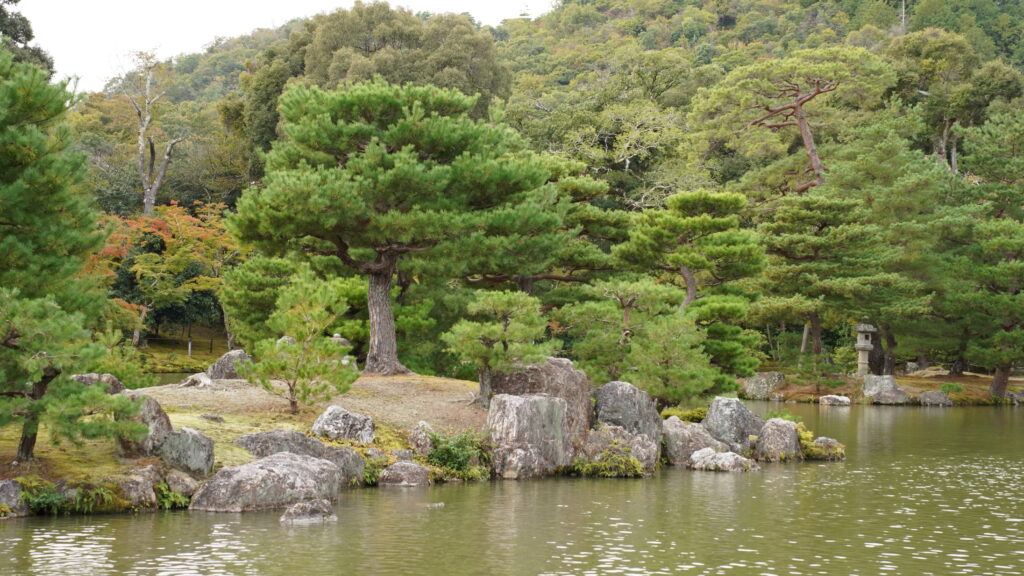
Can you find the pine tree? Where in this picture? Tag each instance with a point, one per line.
(47, 232)
(375, 175)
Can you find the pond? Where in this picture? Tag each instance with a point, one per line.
(923, 491)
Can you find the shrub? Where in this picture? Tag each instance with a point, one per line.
(41, 496)
(785, 415)
(695, 415)
(951, 387)
(89, 499)
(613, 463)
(168, 499)
(464, 456)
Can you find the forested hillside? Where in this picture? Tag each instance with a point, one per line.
(667, 192)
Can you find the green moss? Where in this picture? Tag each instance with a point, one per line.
(5, 511)
(612, 463)
(814, 451)
(695, 415)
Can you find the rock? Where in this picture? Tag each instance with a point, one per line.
(286, 340)
(1017, 398)
(622, 404)
(181, 483)
(404, 474)
(213, 418)
(614, 442)
(935, 398)
(226, 367)
(419, 439)
(309, 512)
(188, 450)
(684, 438)
(529, 434)
(825, 448)
(403, 455)
(778, 441)
(112, 384)
(891, 397)
(138, 492)
(874, 385)
(154, 417)
(10, 500)
(763, 385)
(278, 480)
(341, 341)
(708, 459)
(263, 444)
(558, 378)
(151, 473)
(730, 421)
(833, 400)
(911, 367)
(200, 380)
(336, 422)
(374, 453)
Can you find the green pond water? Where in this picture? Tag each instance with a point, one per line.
(923, 491)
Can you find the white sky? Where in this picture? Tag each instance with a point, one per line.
(94, 39)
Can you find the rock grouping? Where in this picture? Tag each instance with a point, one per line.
(555, 377)
(684, 438)
(731, 422)
(278, 480)
(709, 460)
(763, 385)
(530, 435)
(336, 423)
(263, 444)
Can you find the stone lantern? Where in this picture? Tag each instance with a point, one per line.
(865, 344)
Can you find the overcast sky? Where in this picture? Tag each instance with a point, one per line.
(94, 39)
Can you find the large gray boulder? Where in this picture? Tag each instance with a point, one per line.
(622, 404)
(763, 385)
(181, 483)
(778, 441)
(109, 382)
(825, 448)
(833, 400)
(309, 512)
(137, 490)
(891, 397)
(530, 435)
(263, 444)
(875, 385)
(420, 439)
(555, 377)
(711, 461)
(684, 438)
(10, 499)
(276, 481)
(404, 474)
(226, 367)
(200, 380)
(935, 398)
(730, 421)
(156, 421)
(337, 423)
(614, 443)
(188, 450)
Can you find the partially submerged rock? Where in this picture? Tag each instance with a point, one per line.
(276, 481)
(226, 367)
(833, 400)
(684, 438)
(309, 512)
(763, 385)
(625, 405)
(709, 460)
(621, 453)
(824, 448)
(10, 500)
(420, 439)
(935, 398)
(181, 483)
(155, 419)
(891, 397)
(555, 377)
(778, 441)
(337, 423)
(404, 474)
(108, 381)
(263, 444)
(730, 421)
(188, 450)
(138, 492)
(530, 435)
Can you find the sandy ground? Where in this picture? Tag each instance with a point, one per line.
(398, 401)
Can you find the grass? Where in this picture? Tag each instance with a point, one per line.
(169, 351)
(90, 461)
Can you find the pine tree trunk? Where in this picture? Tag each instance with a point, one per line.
(816, 346)
(691, 287)
(810, 147)
(806, 339)
(1000, 381)
(889, 368)
(30, 427)
(485, 387)
(922, 361)
(382, 358)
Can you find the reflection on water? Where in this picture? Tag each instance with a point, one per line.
(924, 491)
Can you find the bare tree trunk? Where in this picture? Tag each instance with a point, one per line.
(817, 348)
(382, 357)
(30, 428)
(137, 333)
(691, 287)
(485, 376)
(809, 146)
(150, 177)
(1000, 381)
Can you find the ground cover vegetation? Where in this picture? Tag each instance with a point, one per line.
(668, 192)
